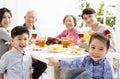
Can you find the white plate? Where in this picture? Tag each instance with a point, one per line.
(78, 53)
(37, 49)
(56, 51)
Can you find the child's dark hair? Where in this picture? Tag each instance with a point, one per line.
(102, 38)
(2, 12)
(18, 30)
(88, 11)
(74, 19)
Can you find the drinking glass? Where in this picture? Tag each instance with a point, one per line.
(70, 40)
(80, 35)
(42, 42)
(64, 42)
(34, 35)
(87, 37)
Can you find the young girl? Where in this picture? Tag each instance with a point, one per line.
(95, 64)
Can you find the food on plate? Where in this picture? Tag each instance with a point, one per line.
(51, 40)
(75, 49)
(55, 47)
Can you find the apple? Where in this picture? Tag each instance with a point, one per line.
(105, 32)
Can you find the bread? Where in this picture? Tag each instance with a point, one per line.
(51, 40)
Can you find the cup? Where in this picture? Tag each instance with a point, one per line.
(87, 37)
(65, 43)
(42, 42)
(80, 35)
(34, 35)
(70, 40)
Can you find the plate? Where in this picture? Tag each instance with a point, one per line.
(77, 53)
(75, 50)
(37, 48)
(57, 51)
(55, 48)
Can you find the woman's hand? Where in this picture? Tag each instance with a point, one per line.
(53, 62)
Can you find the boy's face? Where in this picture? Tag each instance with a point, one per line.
(20, 41)
(90, 19)
(97, 50)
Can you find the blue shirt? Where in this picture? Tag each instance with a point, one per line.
(99, 70)
(16, 65)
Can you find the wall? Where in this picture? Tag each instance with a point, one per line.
(50, 13)
(117, 26)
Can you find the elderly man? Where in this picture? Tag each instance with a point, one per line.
(30, 19)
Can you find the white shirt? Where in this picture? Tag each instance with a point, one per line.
(16, 65)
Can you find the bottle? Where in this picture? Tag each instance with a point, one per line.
(87, 37)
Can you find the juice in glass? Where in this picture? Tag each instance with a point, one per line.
(70, 41)
(34, 35)
(65, 43)
(42, 43)
(80, 35)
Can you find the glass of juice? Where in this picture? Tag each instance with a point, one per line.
(80, 35)
(65, 42)
(34, 35)
(42, 42)
(70, 40)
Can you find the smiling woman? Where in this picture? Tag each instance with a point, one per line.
(5, 21)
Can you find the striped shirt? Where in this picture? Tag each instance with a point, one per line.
(99, 70)
(16, 65)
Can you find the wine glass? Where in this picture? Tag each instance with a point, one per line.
(34, 35)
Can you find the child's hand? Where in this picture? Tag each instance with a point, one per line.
(53, 62)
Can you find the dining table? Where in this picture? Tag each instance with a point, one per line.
(42, 54)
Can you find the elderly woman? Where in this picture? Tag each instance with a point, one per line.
(70, 22)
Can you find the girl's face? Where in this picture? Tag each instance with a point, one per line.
(6, 20)
(97, 49)
(20, 41)
(90, 19)
(69, 23)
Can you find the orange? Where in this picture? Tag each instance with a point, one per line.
(92, 33)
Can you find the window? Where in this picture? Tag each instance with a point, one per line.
(106, 10)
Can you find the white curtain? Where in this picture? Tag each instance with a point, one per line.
(117, 26)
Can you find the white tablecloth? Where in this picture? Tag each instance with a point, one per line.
(43, 54)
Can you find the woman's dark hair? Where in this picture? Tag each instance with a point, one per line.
(88, 11)
(74, 19)
(102, 38)
(2, 12)
(19, 30)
